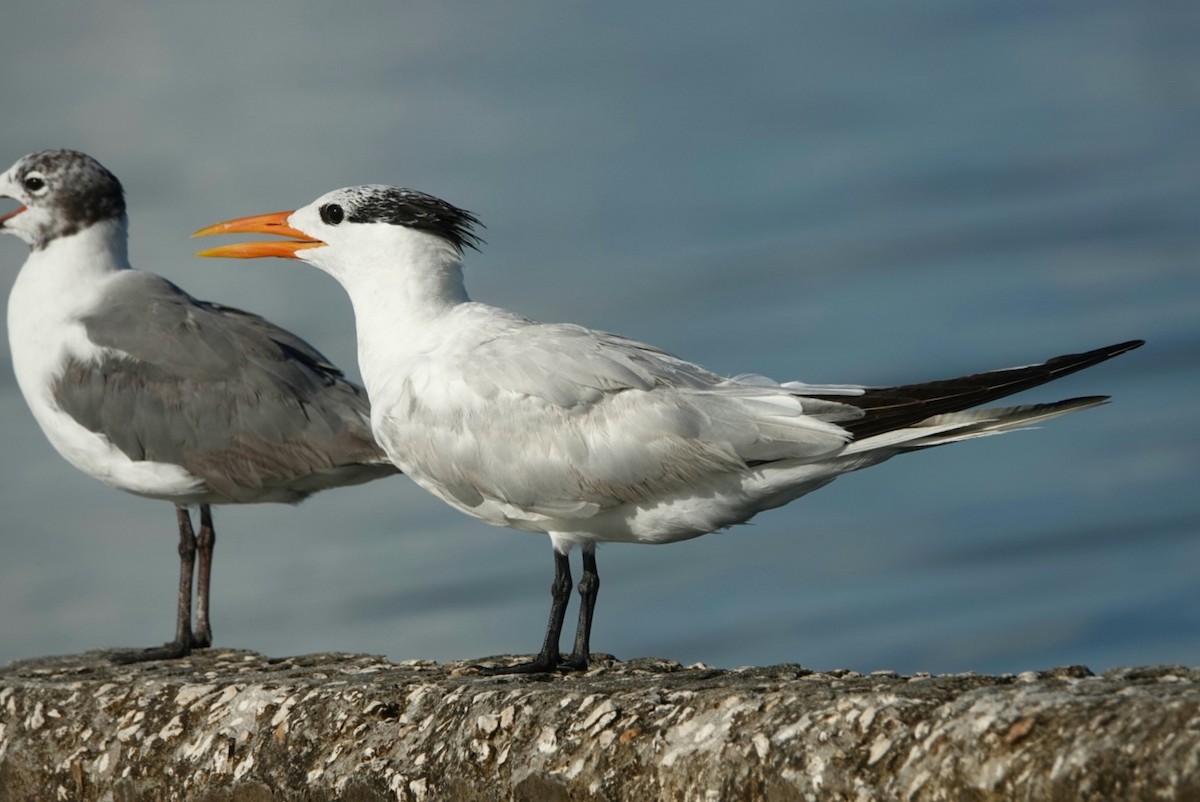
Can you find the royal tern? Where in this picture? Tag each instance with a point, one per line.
(151, 391)
(583, 435)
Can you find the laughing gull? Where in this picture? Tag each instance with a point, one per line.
(156, 393)
(587, 436)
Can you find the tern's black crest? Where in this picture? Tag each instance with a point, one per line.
(79, 190)
(407, 207)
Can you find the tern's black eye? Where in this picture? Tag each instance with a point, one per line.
(34, 182)
(332, 214)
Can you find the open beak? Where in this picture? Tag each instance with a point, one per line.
(274, 223)
(4, 218)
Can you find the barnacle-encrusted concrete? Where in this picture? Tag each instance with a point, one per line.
(230, 725)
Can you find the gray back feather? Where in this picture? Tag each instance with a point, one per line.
(231, 397)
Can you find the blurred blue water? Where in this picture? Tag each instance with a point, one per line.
(864, 192)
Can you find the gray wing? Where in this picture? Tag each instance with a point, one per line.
(571, 366)
(599, 420)
(229, 396)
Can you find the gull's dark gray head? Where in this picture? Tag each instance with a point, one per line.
(61, 193)
(377, 203)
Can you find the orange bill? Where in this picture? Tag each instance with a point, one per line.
(273, 223)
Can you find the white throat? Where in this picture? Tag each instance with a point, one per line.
(401, 287)
(56, 287)
(81, 258)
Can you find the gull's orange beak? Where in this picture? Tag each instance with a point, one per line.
(274, 223)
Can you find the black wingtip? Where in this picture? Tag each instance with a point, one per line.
(1070, 363)
(1084, 401)
(1121, 348)
(889, 408)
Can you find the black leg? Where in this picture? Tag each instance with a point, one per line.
(589, 588)
(560, 594)
(183, 616)
(205, 540)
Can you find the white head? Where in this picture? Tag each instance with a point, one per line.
(60, 192)
(361, 235)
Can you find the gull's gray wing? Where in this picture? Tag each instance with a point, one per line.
(229, 396)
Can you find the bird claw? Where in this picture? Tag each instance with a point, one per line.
(573, 662)
(542, 664)
(173, 650)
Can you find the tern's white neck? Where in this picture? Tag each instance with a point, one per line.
(404, 296)
(400, 287)
(413, 274)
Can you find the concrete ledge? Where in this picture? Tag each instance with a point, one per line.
(233, 725)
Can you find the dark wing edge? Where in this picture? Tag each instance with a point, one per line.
(887, 409)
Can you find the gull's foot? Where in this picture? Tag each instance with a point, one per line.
(172, 650)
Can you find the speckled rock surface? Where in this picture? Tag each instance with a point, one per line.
(226, 726)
